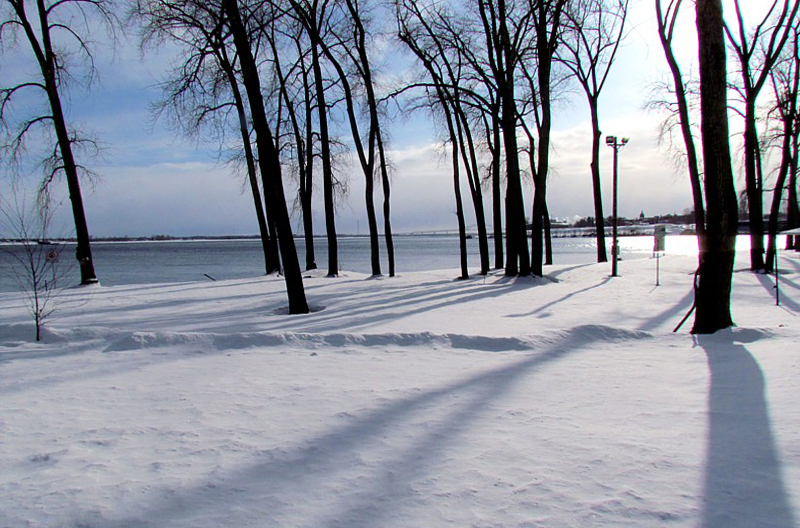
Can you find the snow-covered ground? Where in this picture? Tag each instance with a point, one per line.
(419, 401)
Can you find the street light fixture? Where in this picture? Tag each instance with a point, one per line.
(612, 142)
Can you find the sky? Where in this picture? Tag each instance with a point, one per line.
(152, 181)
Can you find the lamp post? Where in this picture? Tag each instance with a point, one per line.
(612, 142)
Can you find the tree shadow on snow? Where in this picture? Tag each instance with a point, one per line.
(362, 309)
(744, 485)
(417, 432)
(673, 312)
(543, 309)
(768, 282)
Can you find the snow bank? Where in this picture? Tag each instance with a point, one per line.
(419, 401)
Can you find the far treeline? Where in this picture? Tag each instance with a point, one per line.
(295, 82)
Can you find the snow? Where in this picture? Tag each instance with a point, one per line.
(416, 401)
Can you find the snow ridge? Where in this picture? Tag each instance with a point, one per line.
(579, 335)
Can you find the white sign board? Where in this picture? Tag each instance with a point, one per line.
(660, 236)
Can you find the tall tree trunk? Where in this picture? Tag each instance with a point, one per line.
(548, 238)
(304, 163)
(793, 213)
(308, 186)
(268, 160)
(462, 228)
(497, 205)
(47, 64)
(271, 262)
(596, 187)
(83, 252)
(788, 112)
(777, 196)
(327, 169)
(754, 189)
(387, 210)
(365, 69)
(366, 159)
(517, 257)
(473, 178)
(713, 293)
(375, 132)
(547, 27)
(665, 33)
(445, 100)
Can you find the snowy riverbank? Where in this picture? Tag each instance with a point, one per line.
(418, 401)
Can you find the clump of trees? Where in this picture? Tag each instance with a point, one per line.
(494, 77)
(289, 83)
(763, 54)
(761, 95)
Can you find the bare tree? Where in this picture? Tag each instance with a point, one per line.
(666, 32)
(713, 294)
(360, 58)
(416, 33)
(203, 91)
(35, 260)
(508, 31)
(785, 81)
(366, 153)
(593, 32)
(313, 15)
(56, 32)
(757, 52)
(547, 16)
(268, 157)
(298, 99)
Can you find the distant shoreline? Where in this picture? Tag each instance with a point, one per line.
(557, 232)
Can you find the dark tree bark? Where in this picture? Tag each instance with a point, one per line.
(268, 159)
(597, 191)
(453, 67)
(387, 209)
(505, 66)
(307, 177)
(472, 169)
(201, 90)
(783, 172)
(496, 149)
(715, 270)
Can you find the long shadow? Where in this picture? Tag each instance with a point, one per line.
(401, 307)
(376, 306)
(768, 282)
(794, 263)
(556, 273)
(744, 485)
(564, 298)
(683, 305)
(295, 476)
(784, 281)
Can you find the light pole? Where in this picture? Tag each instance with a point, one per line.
(611, 141)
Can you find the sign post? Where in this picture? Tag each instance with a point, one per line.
(659, 246)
